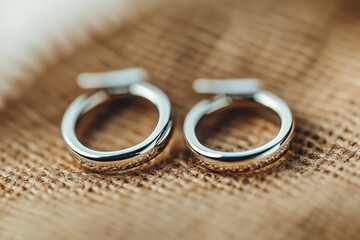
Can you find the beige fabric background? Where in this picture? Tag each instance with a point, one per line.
(307, 52)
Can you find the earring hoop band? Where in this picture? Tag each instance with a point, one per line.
(241, 161)
(131, 82)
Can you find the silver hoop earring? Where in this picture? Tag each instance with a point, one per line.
(109, 84)
(237, 90)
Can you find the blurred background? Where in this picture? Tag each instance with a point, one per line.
(36, 33)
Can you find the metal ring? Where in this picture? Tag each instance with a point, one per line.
(125, 159)
(242, 161)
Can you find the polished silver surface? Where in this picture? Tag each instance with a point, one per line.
(238, 90)
(129, 81)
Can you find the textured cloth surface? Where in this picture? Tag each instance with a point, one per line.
(307, 52)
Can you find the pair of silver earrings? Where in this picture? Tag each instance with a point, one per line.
(132, 81)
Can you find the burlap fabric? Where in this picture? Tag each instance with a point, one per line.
(307, 52)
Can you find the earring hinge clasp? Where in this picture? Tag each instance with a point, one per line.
(239, 87)
(112, 79)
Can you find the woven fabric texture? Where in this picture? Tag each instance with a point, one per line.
(307, 52)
